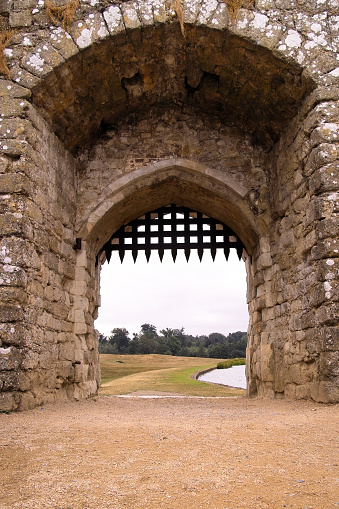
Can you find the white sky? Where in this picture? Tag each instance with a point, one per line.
(201, 297)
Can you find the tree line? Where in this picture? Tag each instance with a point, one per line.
(174, 342)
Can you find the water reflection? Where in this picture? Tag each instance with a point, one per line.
(233, 377)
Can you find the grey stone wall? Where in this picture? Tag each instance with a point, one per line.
(40, 353)
(297, 311)
(124, 114)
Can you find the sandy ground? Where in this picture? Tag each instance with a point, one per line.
(179, 452)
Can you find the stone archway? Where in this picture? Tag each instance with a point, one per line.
(123, 114)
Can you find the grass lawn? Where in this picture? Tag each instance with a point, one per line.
(125, 374)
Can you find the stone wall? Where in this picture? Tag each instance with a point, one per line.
(125, 113)
(295, 314)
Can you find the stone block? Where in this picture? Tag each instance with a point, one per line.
(65, 371)
(328, 314)
(10, 295)
(327, 270)
(15, 224)
(19, 19)
(328, 338)
(328, 228)
(80, 328)
(13, 334)
(24, 381)
(12, 148)
(324, 392)
(265, 245)
(90, 357)
(328, 248)
(27, 401)
(303, 392)
(5, 6)
(290, 391)
(10, 313)
(323, 154)
(10, 359)
(264, 261)
(84, 390)
(24, 4)
(10, 90)
(4, 163)
(329, 364)
(79, 315)
(10, 381)
(7, 401)
(130, 16)
(90, 30)
(21, 76)
(145, 12)
(91, 342)
(286, 239)
(266, 370)
(79, 288)
(42, 60)
(66, 351)
(81, 372)
(328, 132)
(66, 250)
(309, 371)
(63, 43)
(82, 258)
(308, 320)
(30, 360)
(325, 179)
(44, 360)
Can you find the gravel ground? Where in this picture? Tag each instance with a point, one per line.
(171, 452)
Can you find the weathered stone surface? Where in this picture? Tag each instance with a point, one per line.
(20, 19)
(8, 401)
(118, 118)
(5, 6)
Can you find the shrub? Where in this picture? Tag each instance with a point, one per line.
(231, 362)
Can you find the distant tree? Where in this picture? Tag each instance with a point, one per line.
(184, 352)
(167, 333)
(148, 330)
(215, 338)
(214, 351)
(238, 353)
(120, 338)
(162, 346)
(236, 336)
(174, 342)
(174, 345)
(102, 339)
(133, 347)
(147, 344)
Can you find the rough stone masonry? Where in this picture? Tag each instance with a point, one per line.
(138, 105)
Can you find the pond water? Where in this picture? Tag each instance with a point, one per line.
(233, 377)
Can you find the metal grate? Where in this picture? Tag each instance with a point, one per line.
(172, 228)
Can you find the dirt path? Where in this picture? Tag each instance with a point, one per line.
(172, 453)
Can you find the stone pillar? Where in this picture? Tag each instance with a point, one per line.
(46, 351)
(18, 257)
(293, 347)
(84, 304)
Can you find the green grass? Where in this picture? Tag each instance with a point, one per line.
(126, 374)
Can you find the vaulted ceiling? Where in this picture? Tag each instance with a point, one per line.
(209, 70)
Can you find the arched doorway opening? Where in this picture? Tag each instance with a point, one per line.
(159, 184)
(205, 296)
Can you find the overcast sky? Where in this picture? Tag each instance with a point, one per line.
(201, 297)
